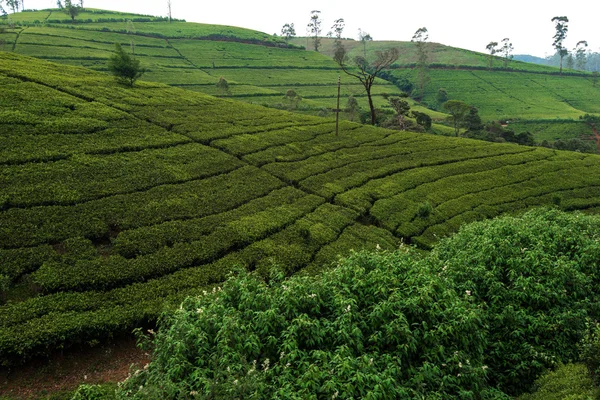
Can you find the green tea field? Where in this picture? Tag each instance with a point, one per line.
(118, 202)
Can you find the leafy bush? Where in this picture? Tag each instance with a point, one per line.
(536, 279)
(590, 351)
(377, 326)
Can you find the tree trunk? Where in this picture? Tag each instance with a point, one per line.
(371, 106)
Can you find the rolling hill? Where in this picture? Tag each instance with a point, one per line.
(118, 202)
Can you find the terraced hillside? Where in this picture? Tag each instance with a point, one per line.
(259, 68)
(118, 201)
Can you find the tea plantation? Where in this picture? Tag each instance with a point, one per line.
(117, 202)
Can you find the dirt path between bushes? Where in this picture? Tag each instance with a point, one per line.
(66, 371)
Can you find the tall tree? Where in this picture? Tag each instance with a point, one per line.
(169, 11)
(366, 72)
(13, 5)
(420, 39)
(458, 111)
(492, 48)
(364, 37)
(506, 51)
(581, 54)
(288, 31)
(314, 27)
(338, 28)
(561, 24)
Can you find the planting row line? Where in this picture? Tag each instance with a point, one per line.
(578, 199)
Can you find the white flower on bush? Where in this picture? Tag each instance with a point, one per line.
(348, 308)
(468, 292)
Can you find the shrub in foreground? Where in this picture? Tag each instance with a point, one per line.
(488, 310)
(536, 280)
(377, 326)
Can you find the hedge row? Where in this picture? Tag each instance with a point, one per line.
(350, 138)
(96, 176)
(362, 198)
(149, 239)
(97, 218)
(344, 178)
(22, 148)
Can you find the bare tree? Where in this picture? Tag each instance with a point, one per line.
(366, 72)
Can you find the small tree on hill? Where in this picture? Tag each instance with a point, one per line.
(352, 108)
(561, 24)
(492, 48)
(72, 10)
(124, 67)
(314, 27)
(402, 108)
(288, 32)
(367, 72)
(580, 54)
(223, 86)
(457, 110)
(364, 37)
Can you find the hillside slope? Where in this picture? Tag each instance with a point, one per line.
(259, 68)
(118, 201)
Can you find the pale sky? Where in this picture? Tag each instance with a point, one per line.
(468, 24)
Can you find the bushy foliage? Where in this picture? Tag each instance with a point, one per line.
(377, 326)
(124, 67)
(567, 382)
(536, 279)
(589, 349)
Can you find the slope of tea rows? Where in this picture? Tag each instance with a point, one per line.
(118, 202)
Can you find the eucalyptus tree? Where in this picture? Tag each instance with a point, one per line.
(314, 27)
(420, 39)
(366, 71)
(288, 32)
(492, 48)
(561, 24)
(506, 51)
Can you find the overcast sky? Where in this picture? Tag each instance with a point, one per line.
(469, 24)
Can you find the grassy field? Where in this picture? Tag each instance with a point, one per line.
(119, 202)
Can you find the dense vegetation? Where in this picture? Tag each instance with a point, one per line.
(486, 312)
